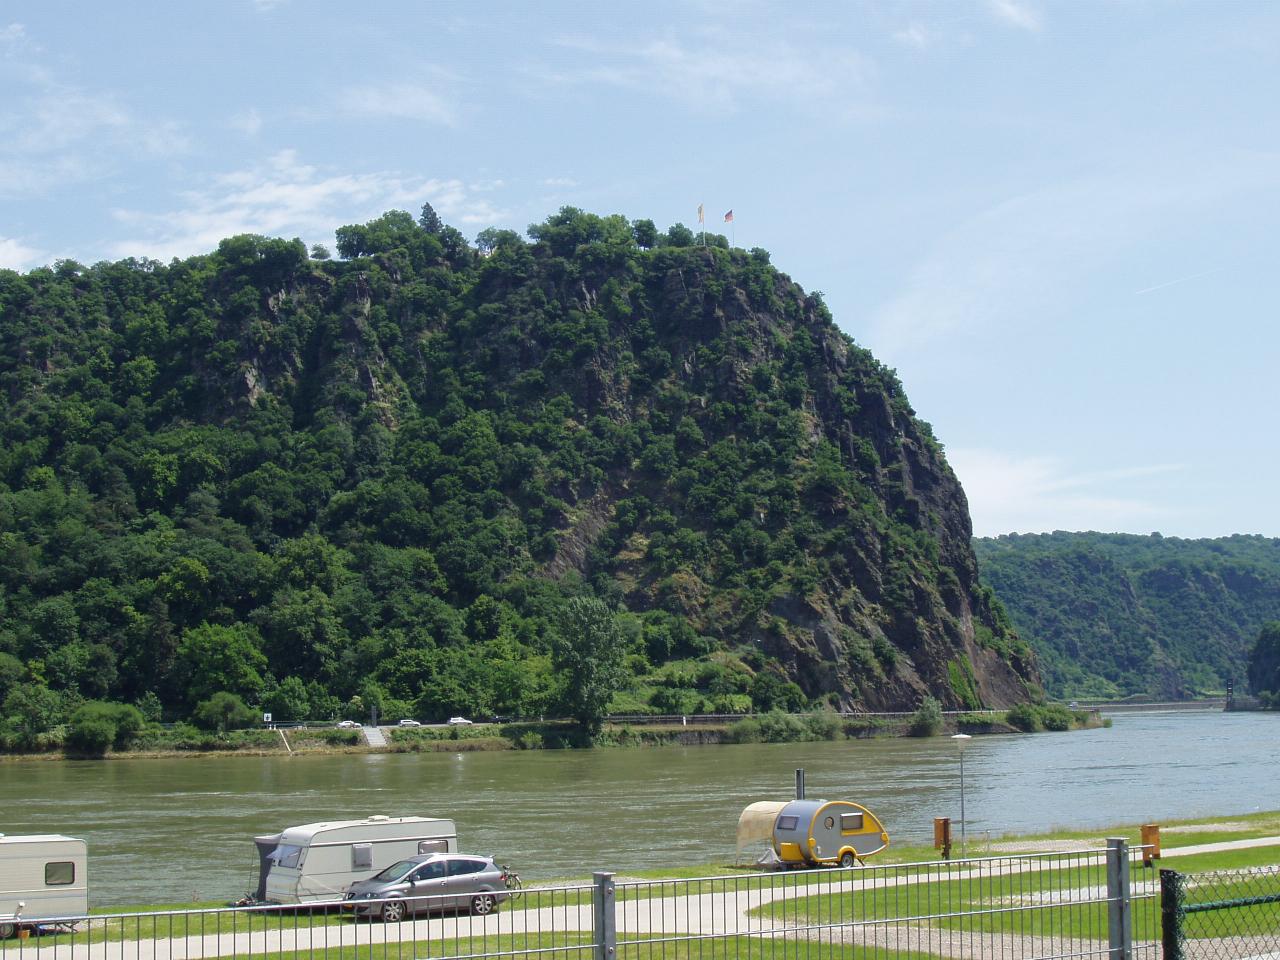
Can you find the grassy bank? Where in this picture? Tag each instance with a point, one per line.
(182, 739)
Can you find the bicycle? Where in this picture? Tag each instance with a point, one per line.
(515, 887)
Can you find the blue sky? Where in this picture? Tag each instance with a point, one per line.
(1057, 221)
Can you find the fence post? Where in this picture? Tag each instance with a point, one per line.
(606, 918)
(1119, 918)
(1171, 914)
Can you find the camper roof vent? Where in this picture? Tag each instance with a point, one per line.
(379, 816)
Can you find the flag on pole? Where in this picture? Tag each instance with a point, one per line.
(701, 219)
(728, 217)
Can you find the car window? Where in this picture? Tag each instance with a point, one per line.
(429, 871)
(458, 868)
(395, 871)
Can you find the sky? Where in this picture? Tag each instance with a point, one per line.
(1058, 222)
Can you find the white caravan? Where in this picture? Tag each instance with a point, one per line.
(318, 861)
(42, 878)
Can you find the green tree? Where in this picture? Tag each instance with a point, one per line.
(429, 220)
(589, 653)
(1264, 661)
(213, 658)
(222, 712)
(927, 720)
(290, 700)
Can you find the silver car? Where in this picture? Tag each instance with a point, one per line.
(433, 881)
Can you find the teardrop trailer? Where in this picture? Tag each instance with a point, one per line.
(43, 880)
(827, 832)
(812, 832)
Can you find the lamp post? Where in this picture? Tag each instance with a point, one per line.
(960, 740)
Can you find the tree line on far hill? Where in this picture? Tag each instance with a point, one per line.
(1116, 615)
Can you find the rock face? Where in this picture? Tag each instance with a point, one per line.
(679, 429)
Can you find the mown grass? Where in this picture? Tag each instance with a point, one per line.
(1055, 896)
(578, 946)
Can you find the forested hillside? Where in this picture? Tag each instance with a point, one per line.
(318, 483)
(1114, 614)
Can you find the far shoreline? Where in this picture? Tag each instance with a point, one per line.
(316, 741)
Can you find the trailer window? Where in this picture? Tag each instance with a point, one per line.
(850, 822)
(433, 846)
(59, 873)
(287, 855)
(788, 823)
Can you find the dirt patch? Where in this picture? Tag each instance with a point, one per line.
(1047, 846)
(1220, 827)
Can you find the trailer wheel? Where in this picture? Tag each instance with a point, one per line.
(393, 911)
(7, 930)
(483, 904)
(847, 859)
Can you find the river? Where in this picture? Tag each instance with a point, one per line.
(174, 830)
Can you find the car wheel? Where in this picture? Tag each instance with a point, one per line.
(483, 903)
(393, 911)
(847, 859)
(7, 930)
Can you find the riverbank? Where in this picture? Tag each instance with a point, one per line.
(1198, 844)
(183, 740)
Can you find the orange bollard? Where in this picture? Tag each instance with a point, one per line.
(942, 836)
(1150, 843)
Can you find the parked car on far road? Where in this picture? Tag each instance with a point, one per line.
(409, 723)
(347, 724)
(459, 722)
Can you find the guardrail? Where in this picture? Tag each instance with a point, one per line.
(1095, 903)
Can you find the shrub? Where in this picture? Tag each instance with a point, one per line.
(744, 731)
(97, 725)
(90, 736)
(1024, 717)
(823, 726)
(927, 721)
(1054, 716)
(779, 727)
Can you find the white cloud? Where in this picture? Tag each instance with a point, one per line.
(1015, 259)
(914, 35)
(559, 182)
(248, 122)
(715, 72)
(285, 197)
(53, 133)
(397, 101)
(1016, 494)
(1016, 13)
(16, 255)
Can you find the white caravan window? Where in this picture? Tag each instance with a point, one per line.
(59, 873)
(287, 855)
(362, 856)
(433, 846)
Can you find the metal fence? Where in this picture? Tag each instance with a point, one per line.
(1220, 914)
(1077, 904)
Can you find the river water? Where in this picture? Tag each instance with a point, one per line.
(175, 830)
